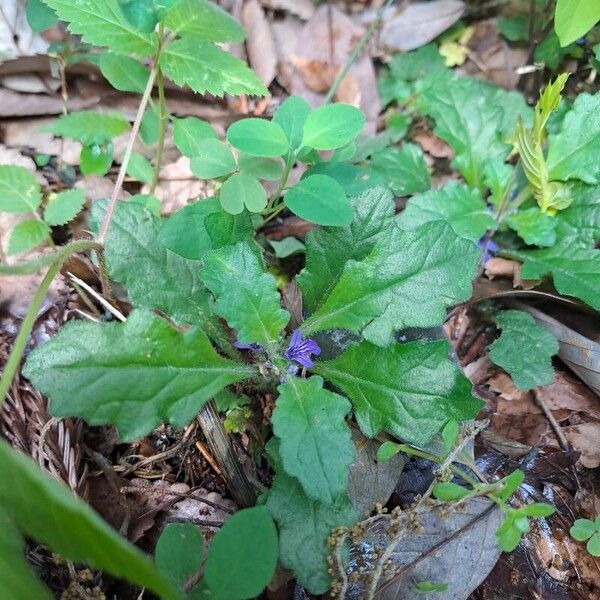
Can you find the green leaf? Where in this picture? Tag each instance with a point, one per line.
(315, 441)
(427, 587)
(205, 68)
(255, 309)
(304, 526)
(550, 53)
(88, 127)
(269, 169)
(538, 509)
(593, 545)
(580, 222)
(152, 203)
(387, 450)
(291, 116)
(332, 126)
(429, 267)
(133, 375)
(449, 492)
(140, 169)
(123, 73)
(189, 132)
(64, 207)
(412, 66)
(572, 153)
(203, 21)
(17, 578)
(498, 177)
(404, 169)
(450, 434)
(512, 483)
(140, 14)
(534, 227)
(508, 537)
(96, 159)
(212, 159)
(102, 23)
(575, 270)
(179, 553)
(514, 29)
(243, 555)
(155, 277)
(39, 16)
(241, 191)
(150, 126)
(46, 511)
(26, 235)
(321, 200)
(354, 179)
(258, 137)
(196, 218)
(329, 249)
(409, 389)
(460, 206)
(524, 349)
(574, 18)
(287, 247)
(19, 190)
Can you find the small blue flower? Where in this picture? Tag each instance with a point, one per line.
(489, 248)
(252, 346)
(300, 350)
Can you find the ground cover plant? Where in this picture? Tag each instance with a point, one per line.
(341, 344)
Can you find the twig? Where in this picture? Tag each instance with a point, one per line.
(560, 436)
(107, 305)
(208, 457)
(110, 209)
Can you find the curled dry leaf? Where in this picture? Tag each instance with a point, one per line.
(505, 268)
(433, 145)
(260, 43)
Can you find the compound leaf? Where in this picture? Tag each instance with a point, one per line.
(332, 126)
(64, 207)
(212, 159)
(411, 389)
(124, 73)
(315, 441)
(457, 204)
(258, 137)
(188, 132)
(242, 191)
(429, 267)
(524, 349)
(291, 116)
(133, 375)
(255, 308)
(89, 127)
(19, 190)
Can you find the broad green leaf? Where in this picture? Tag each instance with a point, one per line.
(572, 153)
(203, 20)
(241, 191)
(89, 127)
(47, 512)
(538, 509)
(593, 545)
(255, 308)
(133, 375)
(551, 54)
(409, 389)
(123, 73)
(574, 18)
(534, 227)
(580, 222)
(102, 23)
(39, 16)
(354, 179)
(329, 249)
(575, 270)
(429, 267)
(514, 29)
(179, 552)
(332, 126)
(449, 492)
(155, 277)
(258, 137)
(412, 66)
(96, 159)
(404, 169)
(269, 169)
(64, 207)
(176, 232)
(26, 235)
(287, 247)
(315, 442)
(498, 177)
(150, 126)
(140, 14)
(187, 134)
(387, 450)
(242, 556)
(212, 159)
(524, 349)
(291, 116)
(321, 200)
(17, 579)
(152, 203)
(457, 204)
(19, 190)
(140, 169)
(206, 68)
(582, 529)
(304, 526)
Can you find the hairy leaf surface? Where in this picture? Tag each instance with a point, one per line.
(133, 375)
(404, 169)
(315, 442)
(409, 389)
(89, 127)
(19, 190)
(580, 223)
(534, 227)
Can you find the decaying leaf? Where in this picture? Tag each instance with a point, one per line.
(260, 44)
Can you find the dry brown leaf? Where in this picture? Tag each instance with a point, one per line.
(301, 8)
(16, 37)
(568, 393)
(260, 44)
(504, 267)
(584, 438)
(433, 145)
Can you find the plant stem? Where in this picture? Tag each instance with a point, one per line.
(110, 209)
(356, 52)
(162, 111)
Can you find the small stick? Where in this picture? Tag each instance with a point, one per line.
(209, 459)
(560, 436)
(90, 290)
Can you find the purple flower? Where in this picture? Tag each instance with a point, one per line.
(300, 350)
(489, 248)
(252, 346)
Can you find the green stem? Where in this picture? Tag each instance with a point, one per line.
(162, 112)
